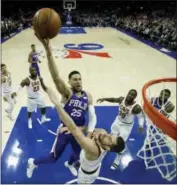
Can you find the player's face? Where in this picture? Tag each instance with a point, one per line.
(33, 72)
(107, 140)
(131, 96)
(33, 48)
(76, 82)
(3, 69)
(164, 96)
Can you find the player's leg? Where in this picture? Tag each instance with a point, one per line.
(61, 141)
(125, 130)
(31, 106)
(10, 107)
(42, 106)
(76, 149)
(115, 127)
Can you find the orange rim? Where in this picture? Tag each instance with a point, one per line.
(167, 126)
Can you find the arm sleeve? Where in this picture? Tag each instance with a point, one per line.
(92, 118)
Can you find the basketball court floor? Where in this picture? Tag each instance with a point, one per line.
(111, 63)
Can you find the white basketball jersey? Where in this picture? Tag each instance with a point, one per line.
(34, 89)
(90, 165)
(7, 85)
(125, 112)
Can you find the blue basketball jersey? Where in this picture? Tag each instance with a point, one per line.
(77, 107)
(34, 57)
(156, 104)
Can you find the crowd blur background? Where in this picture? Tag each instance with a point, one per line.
(149, 20)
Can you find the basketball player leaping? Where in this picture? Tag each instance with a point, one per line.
(123, 123)
(8, 95)
(34, 85)
(94, 148)
(76, 103)
(33, 59)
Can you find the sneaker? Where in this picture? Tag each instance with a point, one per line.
(30, 167)
(30, 124)
(71, 168)
(44, 119)
(114, 166)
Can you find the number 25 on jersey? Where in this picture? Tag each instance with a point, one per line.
(76, 113)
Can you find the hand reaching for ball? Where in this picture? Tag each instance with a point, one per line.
(46, 44)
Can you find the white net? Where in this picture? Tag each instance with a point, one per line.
(158, 150)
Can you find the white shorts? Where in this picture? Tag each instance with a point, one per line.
(84, 178)
(8, 97)
(35, 103)
(121, 129)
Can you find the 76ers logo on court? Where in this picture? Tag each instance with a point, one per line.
(73, 51)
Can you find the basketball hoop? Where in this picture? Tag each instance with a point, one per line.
(165, 124)
(157, 149)
(69, 5)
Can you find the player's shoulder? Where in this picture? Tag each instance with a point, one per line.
(26, 80)
(137, 109)
(120, 99)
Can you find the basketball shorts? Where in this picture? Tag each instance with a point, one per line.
(84, 178)
(35, 103)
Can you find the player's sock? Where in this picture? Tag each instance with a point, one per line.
(30, 123)
(9, 111)
(71, 168)
(114, 166)
(116, 162)
(45, 160)
(30, 167)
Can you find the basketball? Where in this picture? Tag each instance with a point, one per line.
(46, 22)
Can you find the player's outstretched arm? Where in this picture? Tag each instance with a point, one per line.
(44, 87)
(137, 110)
(112, 100)
(84, 142)
(24, 83)
(62, 88)
(30, 58)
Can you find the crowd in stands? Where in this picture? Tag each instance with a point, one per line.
(156, 25)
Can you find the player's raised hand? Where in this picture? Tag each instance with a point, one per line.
(45, 42)
(100, 100)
